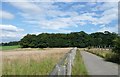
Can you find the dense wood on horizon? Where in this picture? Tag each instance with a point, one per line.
(73, 39)
(10, 43)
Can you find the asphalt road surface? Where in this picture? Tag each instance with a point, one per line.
(97, 66)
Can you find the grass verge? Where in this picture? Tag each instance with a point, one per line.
(98, 52)
(79, 67)
(9, 47)
(108, 55)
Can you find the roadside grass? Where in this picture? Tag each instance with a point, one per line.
(9, 47)
(98, 52)
(79, 67)
(108, 55)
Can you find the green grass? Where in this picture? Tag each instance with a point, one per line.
(32, 67)
(108, 55)
(9, 47)
(79, 67)
(101, 53)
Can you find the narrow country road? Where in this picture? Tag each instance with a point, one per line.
(97, 66)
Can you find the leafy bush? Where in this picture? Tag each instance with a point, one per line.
(116, 48)
(112, 57)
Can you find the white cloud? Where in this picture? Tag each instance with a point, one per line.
(58, 21)
(10, 28)
(85, 17)
(10, 31)
(27, 6)
(110, 11)
(107, 19)
(77, 6)
(6, 15)
(107, 28)
(56, 24)
(90, 14)
(108, 15)
(108, 5)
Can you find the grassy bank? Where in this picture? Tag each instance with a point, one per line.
(98, 52)
(9, 47)
(108, 55)
(79, 67)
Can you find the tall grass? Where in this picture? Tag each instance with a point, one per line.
(41, 63)
(31, 67)
(79, 67)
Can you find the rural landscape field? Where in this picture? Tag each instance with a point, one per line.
(31, 61)
(59, 38)
(36, 61)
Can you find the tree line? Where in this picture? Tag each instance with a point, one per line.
(73, 39)
(10, 43)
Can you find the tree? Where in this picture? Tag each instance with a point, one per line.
(10, 43)
(28, 41)
(115, 57)
(116, 48)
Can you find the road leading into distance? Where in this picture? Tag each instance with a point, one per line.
(97, 66)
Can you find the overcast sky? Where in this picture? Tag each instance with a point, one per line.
(21, 18)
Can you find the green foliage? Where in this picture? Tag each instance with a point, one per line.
(103, 39)
(28, 41)
(113, 57)
(74, 39)
(10, 43)
(116, 48)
